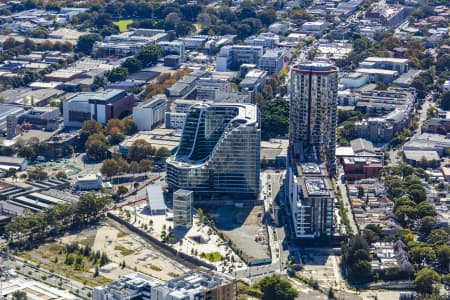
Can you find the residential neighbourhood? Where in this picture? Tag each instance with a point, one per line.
(225, 149)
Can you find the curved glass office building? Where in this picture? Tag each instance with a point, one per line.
(219, 151)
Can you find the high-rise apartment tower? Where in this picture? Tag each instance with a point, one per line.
(313, 113)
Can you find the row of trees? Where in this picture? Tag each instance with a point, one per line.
(140, 155)
(14, 46)
(97, 138)
(55, 220)
(146, 56)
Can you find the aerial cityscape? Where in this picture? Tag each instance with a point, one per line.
(225, 150)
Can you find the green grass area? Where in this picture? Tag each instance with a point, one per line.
(124, 251)
(121, 234)
(155, 268)
(212, 256)
(122, 24)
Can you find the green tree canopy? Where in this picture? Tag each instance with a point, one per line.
(273, 287)
(86, 42)
(426, 280)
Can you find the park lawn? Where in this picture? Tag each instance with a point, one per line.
(122, 24)
(213, 256)
(124, 251)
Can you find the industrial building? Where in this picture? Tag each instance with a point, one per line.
(100, 106)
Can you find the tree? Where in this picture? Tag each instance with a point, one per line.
(9, 43)
(115, 136)
(425, 209)
(372, 233)
(273, 287)
(443, 256)
(96, 146)
(86, 42)
(61, 175)
(274, 118)
(19, 295)
(117, 74)
(128, 126)
(149, 54)
(122, 190)
(162, 153)
(426, 224)
(426, 281)
(356, 259)
(140, 150)
(134, 167)
(145, 165)
(418, 195)
(438, 237)
(89, 128)
(132, 64)
(445, 100)
(421, 254)
(405, 213)
(109, 168)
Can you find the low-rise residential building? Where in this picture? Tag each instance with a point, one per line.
(278, 27)
(437, 125)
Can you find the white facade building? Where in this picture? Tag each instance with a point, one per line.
(149, 114)
(89, 182)
(175, 120)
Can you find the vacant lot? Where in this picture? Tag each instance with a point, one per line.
(118, 247)
(245, 229)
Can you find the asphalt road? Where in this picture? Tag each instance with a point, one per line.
(30, 270)
(347, 204)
